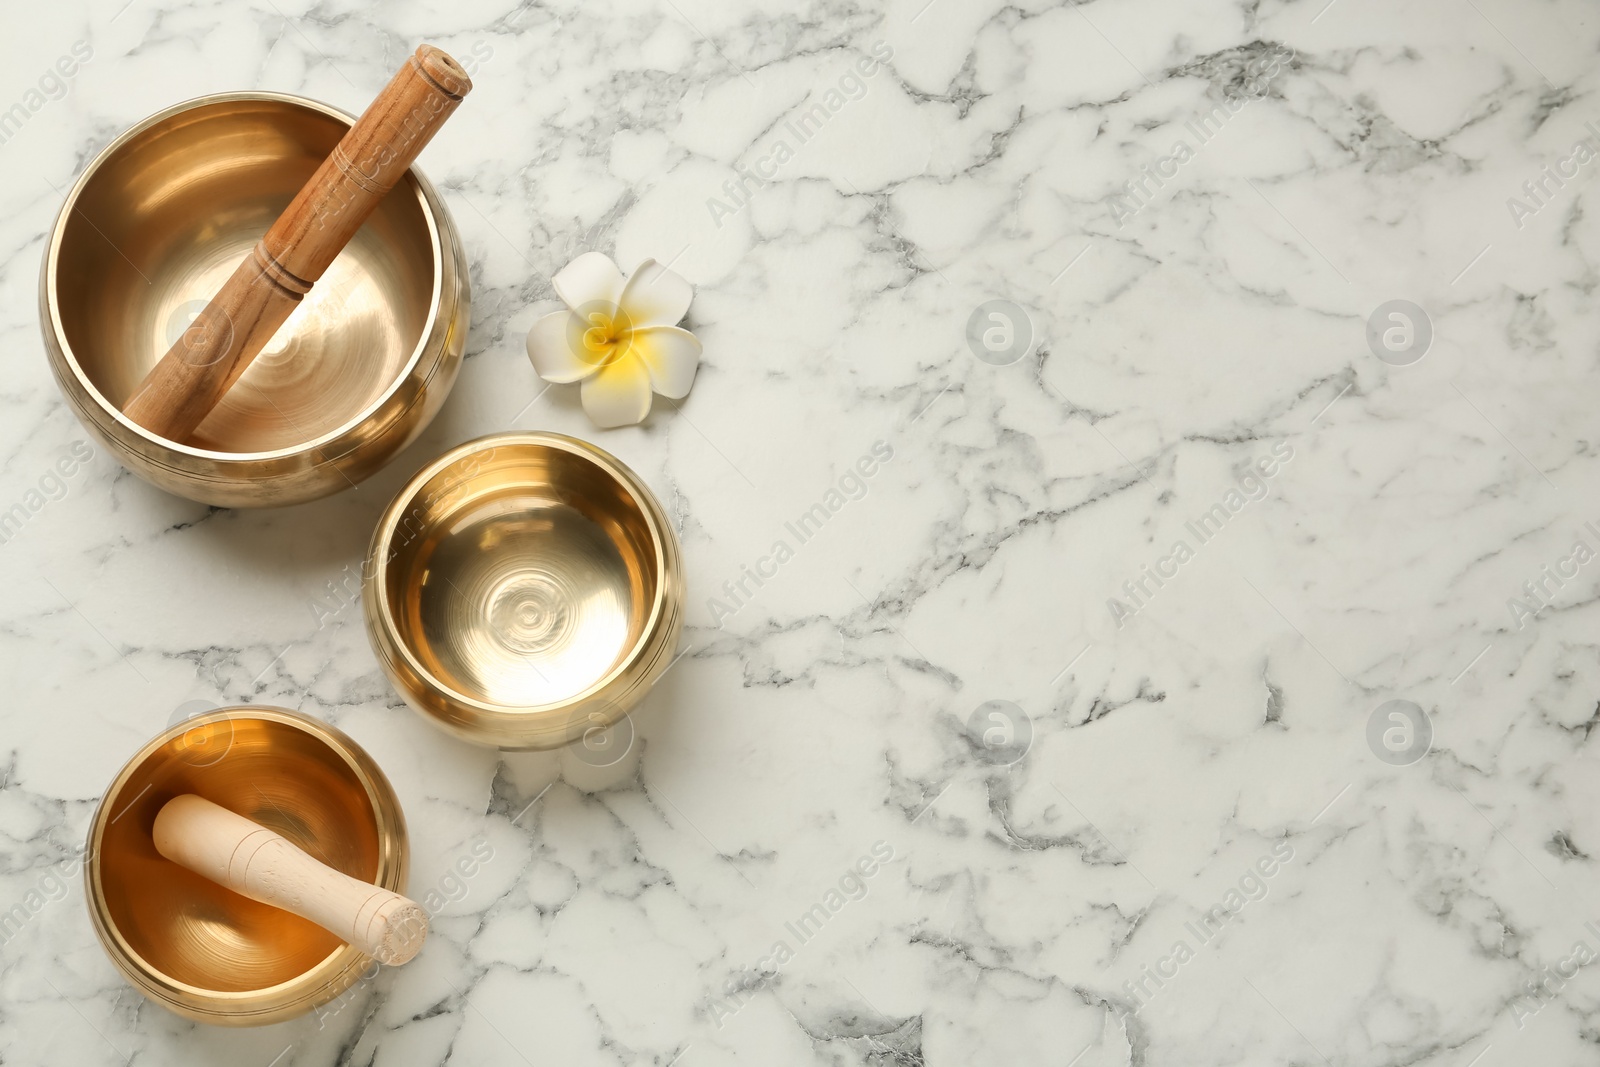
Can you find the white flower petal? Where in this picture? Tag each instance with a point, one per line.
(619, 395)
(670, 354)
(551, 348)
(590, 279)
(655, 296)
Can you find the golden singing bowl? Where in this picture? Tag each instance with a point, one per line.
(206, 952)
(153, 227)
(524, 590)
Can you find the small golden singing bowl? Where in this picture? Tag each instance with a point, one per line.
(148, 234)
(524, 590)
(206, 952)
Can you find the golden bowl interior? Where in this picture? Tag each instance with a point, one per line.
(168, 215)
(522, 574)
(191, 931)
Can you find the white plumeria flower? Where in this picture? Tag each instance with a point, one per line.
(619, 338)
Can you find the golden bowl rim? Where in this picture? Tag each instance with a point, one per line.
(620, 472)
(152, 980)
(70, 358)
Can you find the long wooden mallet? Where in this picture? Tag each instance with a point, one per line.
(180, 390)
(262, 864)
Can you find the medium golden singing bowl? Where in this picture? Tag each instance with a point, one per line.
(148, 234)
(206, 952)
(524, 590)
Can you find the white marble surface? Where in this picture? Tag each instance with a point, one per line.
(627, 914)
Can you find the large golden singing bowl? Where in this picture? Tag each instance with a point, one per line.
(524, 590)
(148, 234)
(206, 952)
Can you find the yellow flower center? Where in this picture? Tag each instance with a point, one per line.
(606, 339)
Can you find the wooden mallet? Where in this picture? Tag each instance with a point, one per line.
(246, 857)
(181, 389)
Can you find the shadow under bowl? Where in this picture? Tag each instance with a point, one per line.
(206, 952)
(157, 222)
(523, 590)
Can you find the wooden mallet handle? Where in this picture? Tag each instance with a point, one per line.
(261, 864)
(180, 390)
